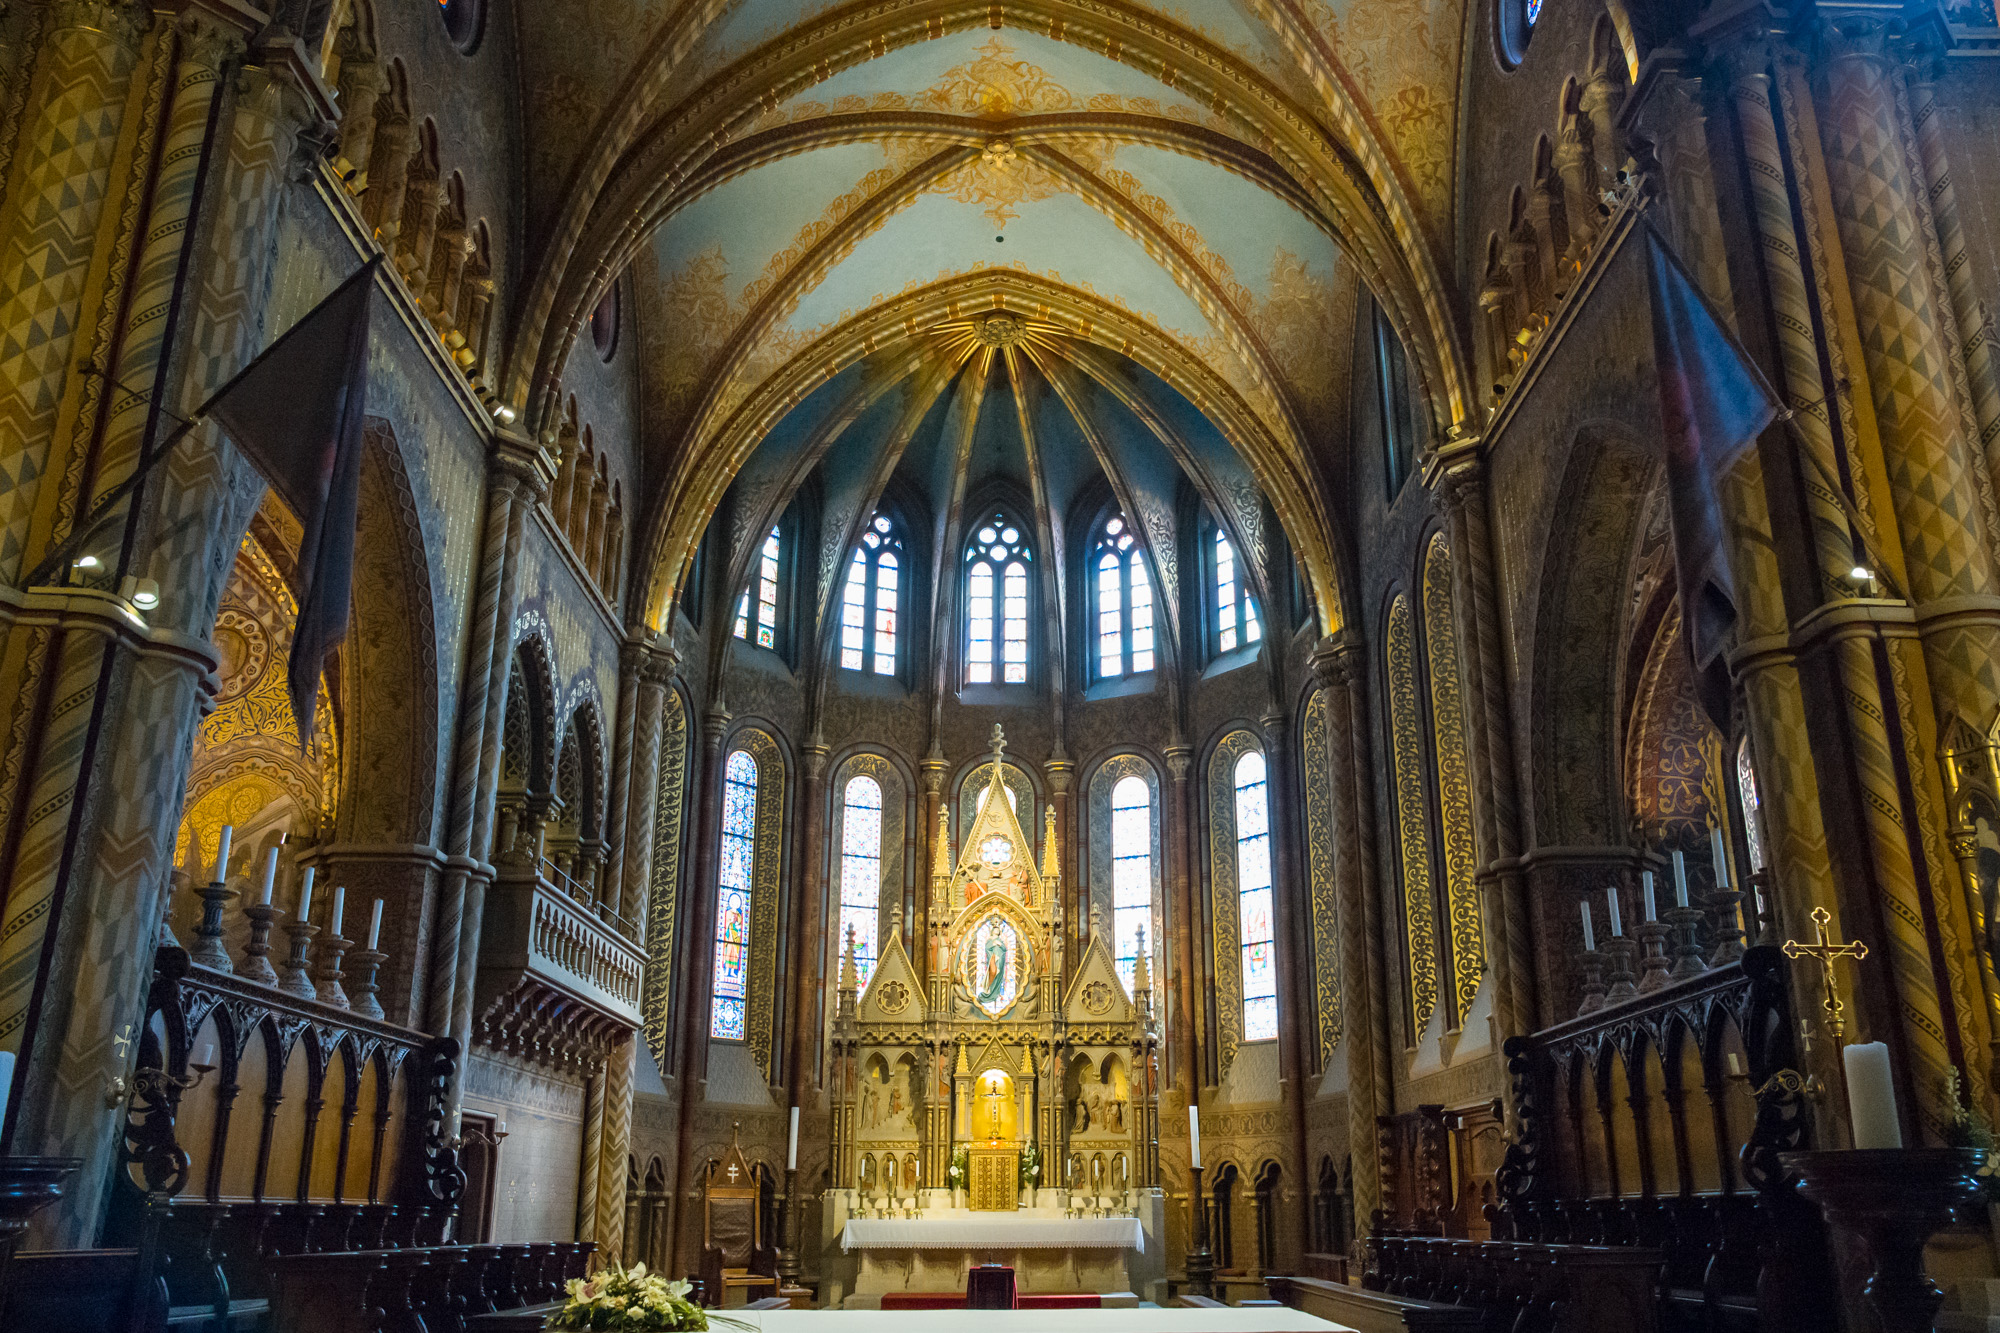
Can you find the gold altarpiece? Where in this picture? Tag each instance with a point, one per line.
(990, 1040)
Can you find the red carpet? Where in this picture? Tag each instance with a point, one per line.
(955, 1300)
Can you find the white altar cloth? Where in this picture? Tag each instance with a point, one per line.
(1226, 1320)
(997, 1232)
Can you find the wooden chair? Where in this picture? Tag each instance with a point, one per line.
(734, 1255)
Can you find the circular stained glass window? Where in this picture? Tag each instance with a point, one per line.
(1514, 23)
(463, 21)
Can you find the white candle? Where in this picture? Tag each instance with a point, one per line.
(792, 1148)
(1194, 1137)
(1871, 1096)
(1646, 887)
(205, 1057)
(499, 1128)
(1589, 935)
(374, 925)
(270, 875)
(339, 903)
(1617, 922)
(1721, 855)
(1680, 879)
(6, 1082)
(222, 853)
(306, 894)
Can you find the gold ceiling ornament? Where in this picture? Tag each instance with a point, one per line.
(999, 330)
(999, 153)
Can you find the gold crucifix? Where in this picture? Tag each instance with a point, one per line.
(1824, 950)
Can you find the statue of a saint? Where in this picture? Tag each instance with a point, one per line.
(992, 968)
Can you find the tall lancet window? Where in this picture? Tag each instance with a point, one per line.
(732, 897)
(1131, 871)
(861, 870)
(1233, 612)
(1253, 899)
(997, 561)
(869, 604)
(764, 583)
(1124, 602)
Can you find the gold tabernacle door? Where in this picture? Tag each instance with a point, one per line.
(996, 1174)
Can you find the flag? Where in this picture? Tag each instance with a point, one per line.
(1713, 404)
(296, 413)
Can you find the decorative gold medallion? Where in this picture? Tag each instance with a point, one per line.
(895, 998)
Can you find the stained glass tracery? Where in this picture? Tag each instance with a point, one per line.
(1131, 871)
(1236, 623)
(861, 870)
(765, 585)
(869, 602)
(996, 603)
(1124, 603)
(1253, 899)
(732, 897)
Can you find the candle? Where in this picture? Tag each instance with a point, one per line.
(6, 1082)
(499, 1128)
(339, 903)
(222, 853)
(1721, 855)
(374, 925)
(1617, 922)
(205, 1057)
(1194, 1137)
(1735, 1066)
(1646, 887)
(1871, 1096)
(270, 875)
(792, 1148)
(1589, 935)
(306, 894)
(1680, 879)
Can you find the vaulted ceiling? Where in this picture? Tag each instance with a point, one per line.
(802, 192)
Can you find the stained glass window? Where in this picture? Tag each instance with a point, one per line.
(869, 602)
(1236, 623)
(765, 585)
(996, 626)
(1534, 11)
(1753, 810)
(1124, 602)
(732, 896)
(1131, 871)
(1253, 899)
(861, 869)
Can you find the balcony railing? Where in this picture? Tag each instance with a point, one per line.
(557, 981)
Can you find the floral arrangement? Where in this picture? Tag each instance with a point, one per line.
(631, 1298)
(1031, 1164)
(961, 1167)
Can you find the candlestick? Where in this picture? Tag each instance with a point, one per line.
(1200, 1263)
(1589, 935)
(333, 948)
(1721, 855)
(204, 1057)
(1680, 879)
(1728, 908)
(1592, 963)
(270, 876)
(1617, 922)
(375, 924)
(1646, 888)
(792, 1148)
(1871, 1096)
(1623, 981)
(306, 894)
(1685, 922)
(208, 949)
(1653, 939)
(339, 909)
(1194, 1136)
(222, 851)
(362, 965)
(257, 950)
(296, 981)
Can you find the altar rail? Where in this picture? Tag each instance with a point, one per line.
(341, 1149)
(1656, 1125)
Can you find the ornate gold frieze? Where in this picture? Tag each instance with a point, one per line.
(665, 894)
(1226, 922)
(769, 858)
(1454, 781)
(1412, 816)
(1318, 770)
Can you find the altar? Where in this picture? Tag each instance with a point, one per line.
(994, 1091)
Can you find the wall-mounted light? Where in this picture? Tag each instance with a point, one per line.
(504, 414)
(86, 562)
(142, 593)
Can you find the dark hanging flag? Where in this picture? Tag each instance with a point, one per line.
(296, 413)
(1713, 404)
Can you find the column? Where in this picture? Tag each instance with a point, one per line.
(697, 977)
(1295, 1004)
(643, 794)
(1184, 1028)
(389, 174)
(807, 928)
(362, 80)
(620, 1069)
(618, 786)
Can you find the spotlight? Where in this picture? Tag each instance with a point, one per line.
(504, 414)
(146, 594)
(86, 562)
(1861, 574)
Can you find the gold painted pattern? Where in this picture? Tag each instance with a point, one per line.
(662, 920)
(1318, 770)
(1454, 780)
(764, 889)
(1225, 923)
(1412, 816)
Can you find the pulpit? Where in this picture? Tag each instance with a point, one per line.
(734, 1255)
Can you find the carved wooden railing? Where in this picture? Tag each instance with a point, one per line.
(1657, 1124)
(338, 1144)
(556, 983)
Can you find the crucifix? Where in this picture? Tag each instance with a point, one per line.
(1824, 950)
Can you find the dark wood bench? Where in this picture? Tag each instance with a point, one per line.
(82, 1291)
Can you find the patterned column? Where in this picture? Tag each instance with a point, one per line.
(1295, 1006)
(643, 794)
(49, 238)
(1341, 667)
(618, 788)
(808, 928)
(1940, 489)
(1184, 1027)
(205, 46)
(591, 1168)
(613, 1173)
(691, 1052)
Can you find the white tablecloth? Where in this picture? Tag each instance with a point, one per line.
(995, 1233)
(1040, 1321)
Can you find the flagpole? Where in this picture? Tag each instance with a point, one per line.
(59, 557)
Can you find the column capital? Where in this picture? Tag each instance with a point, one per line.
(214, 32)
(1458, 462)
(1336, 661)
(520, 461)
(1180, 760)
